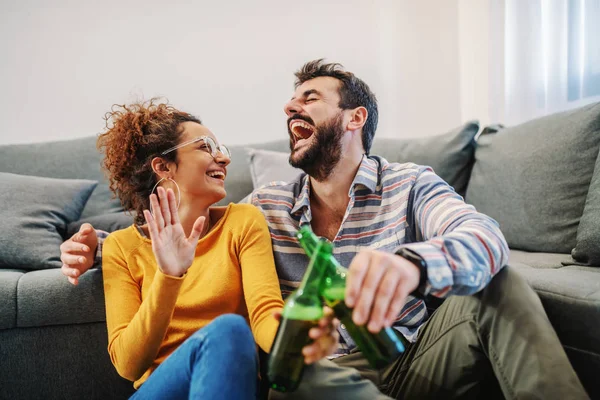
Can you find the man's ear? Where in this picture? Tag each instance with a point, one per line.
(358, 118)
(161, 167)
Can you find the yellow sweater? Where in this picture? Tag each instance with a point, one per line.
(149, 314)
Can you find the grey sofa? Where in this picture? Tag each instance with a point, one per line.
(53, 336)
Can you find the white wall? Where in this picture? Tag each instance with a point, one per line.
(63, 63)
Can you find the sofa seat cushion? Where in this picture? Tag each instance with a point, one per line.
(571, 298)
(46, 298)
(9, 280)
(539, 260)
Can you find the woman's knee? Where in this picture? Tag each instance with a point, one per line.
(232, 331)
(232, 324)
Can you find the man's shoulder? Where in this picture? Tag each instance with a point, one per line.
(399, 170)
(279, 189)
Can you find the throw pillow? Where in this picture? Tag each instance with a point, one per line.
(268, 166)
(239, 179)
(534, 178)
(35, 212)
(587, 250)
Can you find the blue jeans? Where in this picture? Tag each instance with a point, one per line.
(219, 361)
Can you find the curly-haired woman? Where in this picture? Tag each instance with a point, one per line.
(182, 283)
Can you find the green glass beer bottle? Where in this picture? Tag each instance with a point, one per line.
(379, 349)
(301, 311)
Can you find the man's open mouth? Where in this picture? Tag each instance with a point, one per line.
(301, 130)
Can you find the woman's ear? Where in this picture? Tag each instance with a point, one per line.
(358, 118)
(160, 167)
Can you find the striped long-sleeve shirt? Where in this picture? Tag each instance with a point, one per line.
(392, 206)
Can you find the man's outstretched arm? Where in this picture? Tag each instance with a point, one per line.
(460, 249)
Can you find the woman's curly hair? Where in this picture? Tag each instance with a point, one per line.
(136, 133)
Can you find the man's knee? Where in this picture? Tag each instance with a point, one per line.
(509, 285)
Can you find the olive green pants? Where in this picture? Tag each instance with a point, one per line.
(498, 343)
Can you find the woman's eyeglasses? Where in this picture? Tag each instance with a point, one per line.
(209, 146)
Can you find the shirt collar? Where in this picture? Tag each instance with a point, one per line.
(303, 198)
(366, 176)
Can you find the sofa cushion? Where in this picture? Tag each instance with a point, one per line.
(571, 298)
(105, 222)
(267, 166)
(35, 213)
(9, 279)
(47, 298)
(238, 183)
(538, 260)
(69, 159)
(534, 178)
(450, 154)
(587, 250)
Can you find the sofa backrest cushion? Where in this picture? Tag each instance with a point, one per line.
(587, 250)
(35, 213)
(69, 159)
(238, 183)
(449, 154)
(534, 178)
(269, 166)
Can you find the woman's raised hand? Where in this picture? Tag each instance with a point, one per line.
(173, 251)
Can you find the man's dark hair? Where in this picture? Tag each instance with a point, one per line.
(353, 93)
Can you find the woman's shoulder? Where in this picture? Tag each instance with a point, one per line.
(125, 238)
(240, 216)
(245, 211)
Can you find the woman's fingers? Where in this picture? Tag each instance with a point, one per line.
(173, 206)
(157, 213)
(164, 205)
(197, 230)
(151, 225)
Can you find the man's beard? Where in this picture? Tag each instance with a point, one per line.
(321, 157)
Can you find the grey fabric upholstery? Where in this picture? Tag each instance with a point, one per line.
(36, 220)
(60, 362)
(269, 166)
(104, 222)
(9, 278)
(47, 298)
(238, 183)
(534, 178)
(587, 250)
(449, 154)
(538, 260)
(70, 159)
